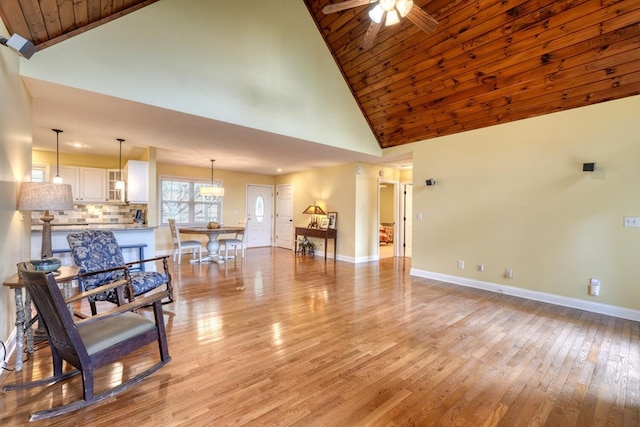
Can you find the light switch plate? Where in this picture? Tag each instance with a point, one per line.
(632, 221)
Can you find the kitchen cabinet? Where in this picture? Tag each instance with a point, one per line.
(88, 185)
(113, 195)
(136, 175)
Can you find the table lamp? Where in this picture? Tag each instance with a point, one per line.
(314, 210)
(45, 196)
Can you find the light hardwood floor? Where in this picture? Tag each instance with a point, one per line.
(286, 340)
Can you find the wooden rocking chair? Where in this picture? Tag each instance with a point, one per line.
(92, 342)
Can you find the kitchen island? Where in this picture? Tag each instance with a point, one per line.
(135, 240)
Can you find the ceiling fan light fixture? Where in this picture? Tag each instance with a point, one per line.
(387, 5)
(376, 14)
(392, 18)
(404, 7)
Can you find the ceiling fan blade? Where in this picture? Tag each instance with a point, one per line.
(337, 7)
(422, 19)
(371, 33)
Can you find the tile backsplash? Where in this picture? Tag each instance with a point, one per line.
(94, 214)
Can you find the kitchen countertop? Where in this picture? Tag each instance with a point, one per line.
(65, 228)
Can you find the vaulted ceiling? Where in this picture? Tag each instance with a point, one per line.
(488, 62)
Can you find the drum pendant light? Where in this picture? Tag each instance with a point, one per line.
(212, 191)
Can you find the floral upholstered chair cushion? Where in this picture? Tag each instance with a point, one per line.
(95, 251)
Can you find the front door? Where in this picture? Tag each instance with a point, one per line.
(259, 216)
(284, 216)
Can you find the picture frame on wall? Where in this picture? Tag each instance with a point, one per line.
(324, 223)
(333, 219)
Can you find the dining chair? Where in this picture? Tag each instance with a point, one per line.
(179, 245)
(234, 241)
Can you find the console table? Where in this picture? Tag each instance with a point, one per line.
(321, 233)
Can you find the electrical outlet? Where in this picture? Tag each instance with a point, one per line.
(508, 273)
(460, 264)
(632, 221)
(594, 287)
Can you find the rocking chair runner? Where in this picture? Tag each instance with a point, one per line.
(100, 259)
(93, 342)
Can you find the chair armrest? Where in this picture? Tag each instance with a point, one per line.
(132, 306)
(97, 290)
(141, 261)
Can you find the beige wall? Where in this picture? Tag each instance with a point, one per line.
(275, 74)
(15, 166)
(235, 194)
(514, 196)
(351, 190)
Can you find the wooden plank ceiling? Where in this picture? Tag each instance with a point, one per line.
(488, 62)
(47, 22)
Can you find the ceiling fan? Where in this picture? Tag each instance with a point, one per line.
(389, 12)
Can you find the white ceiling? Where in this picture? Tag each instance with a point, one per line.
(97, 120)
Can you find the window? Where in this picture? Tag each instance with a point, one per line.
(39, 173)
(180, 199)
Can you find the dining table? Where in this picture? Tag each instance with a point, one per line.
(212, 244)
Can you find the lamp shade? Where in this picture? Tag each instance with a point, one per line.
(314, 210)
(212, 191)
(41, 196)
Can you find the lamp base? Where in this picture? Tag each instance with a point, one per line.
(46, 251)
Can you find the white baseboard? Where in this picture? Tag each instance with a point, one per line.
(595, 307)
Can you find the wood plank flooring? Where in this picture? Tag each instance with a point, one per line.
(281, 340)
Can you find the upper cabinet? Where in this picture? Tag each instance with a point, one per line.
(96, 185)
(136, 174)
(88, 185)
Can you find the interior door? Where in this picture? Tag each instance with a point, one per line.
(259, 229)
(284, 216)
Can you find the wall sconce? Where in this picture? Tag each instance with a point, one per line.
(430, 182)
(588, 167)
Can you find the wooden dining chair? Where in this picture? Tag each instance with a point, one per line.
(179, 245)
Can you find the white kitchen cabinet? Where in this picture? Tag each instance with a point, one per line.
(88, 185)
(136, 175)
(113, 194)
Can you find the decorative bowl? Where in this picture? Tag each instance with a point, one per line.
(213, 225)
(46, 264)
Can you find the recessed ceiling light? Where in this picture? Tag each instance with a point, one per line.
(279, 170)
(77, 144)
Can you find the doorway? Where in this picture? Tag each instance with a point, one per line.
(387, 212)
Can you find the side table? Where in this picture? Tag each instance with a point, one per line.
(23, 307)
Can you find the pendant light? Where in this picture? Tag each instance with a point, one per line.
(57, 179)
(212, 191)
(120, 182)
